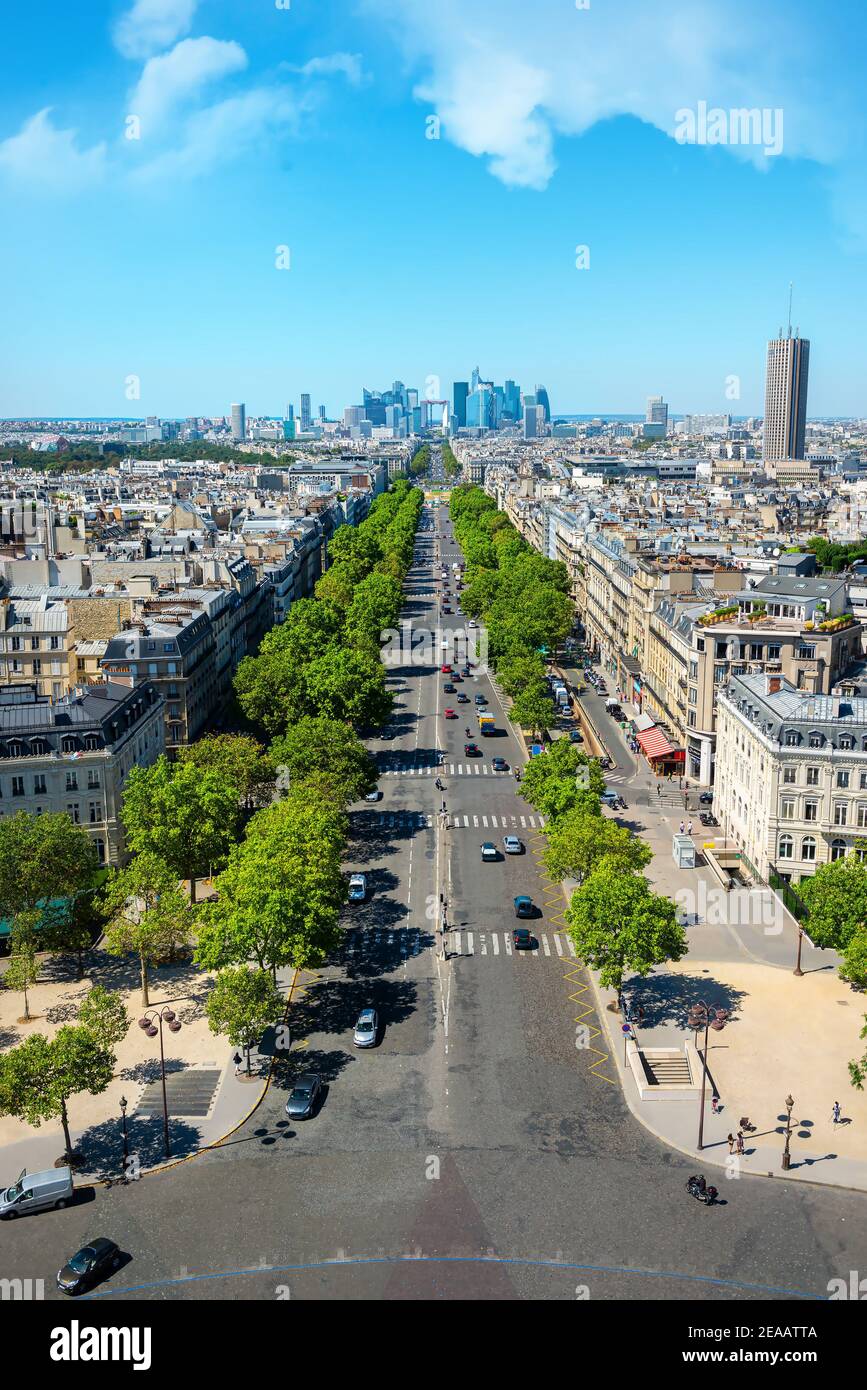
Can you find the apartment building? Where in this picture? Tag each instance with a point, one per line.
(35, 645)
(174, 650)
(791, 774)
(73, 755)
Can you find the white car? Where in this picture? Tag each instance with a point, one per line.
(471, 623)
(512, 845)
(357, 888)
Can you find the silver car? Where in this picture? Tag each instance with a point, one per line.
(366, 1028)
(305, 1092)
(512, 845)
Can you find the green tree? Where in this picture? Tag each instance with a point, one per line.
(533, 709)
(854, 967)
(239, 759)
(619, 925)
(183, 814)
(38, 1077)
(579, 843)
(105, 1014)
(328, 753)
(858, 1067)
(521, 672)
(73, 927)
(561, 780)
(836, 898)
(42, 857)
(22, 971)
(348, 685)
(280, 895)
(375, 607)
(242, 1004)
(150, 916)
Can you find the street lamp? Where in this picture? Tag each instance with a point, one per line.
(703, 1015)
(146, 1023)
(787, 1160)
(123, 1105)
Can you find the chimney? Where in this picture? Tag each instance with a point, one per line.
(774, 685)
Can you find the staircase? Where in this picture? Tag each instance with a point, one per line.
(666, 1068)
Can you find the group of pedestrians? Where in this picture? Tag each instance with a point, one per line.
(736, 1145)
(684, 829)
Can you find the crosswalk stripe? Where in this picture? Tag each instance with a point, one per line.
(570, 943)
(546, 946)
(466, 820)
(469, 943)
(475, 822)
(559, 945)
(496, 941)
(524, 822)
(507, 941)
(485, 822)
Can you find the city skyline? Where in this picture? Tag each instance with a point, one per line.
(219, 180)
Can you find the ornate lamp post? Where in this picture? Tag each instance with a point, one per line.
(703, 1015)
(147, 1024)
(787, 1160)
(123, 1105)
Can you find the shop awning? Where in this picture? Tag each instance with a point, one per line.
(643, 722)
(654, 744)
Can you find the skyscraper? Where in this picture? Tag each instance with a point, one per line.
(322, 412)
(305, 412)
(542, 400)
(475, 379)
(530, 417)
(239, 421)
(657, 412)
(786, 397)
(460, 391)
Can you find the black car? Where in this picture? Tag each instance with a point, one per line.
(472, 750)
(481, 699)
(88, 1265)
(448, 688)
(705, 799)
(522, 939)
(306, 1090)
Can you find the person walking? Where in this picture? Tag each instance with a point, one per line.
(731, 1140)
(658, 790)
(689, 828)
(740, 1142)
(714, 1104)
(681, 827)
(836, 1112)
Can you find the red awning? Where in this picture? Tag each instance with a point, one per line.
(654, 744)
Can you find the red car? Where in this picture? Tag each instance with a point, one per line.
(446, 670)
(449, 714)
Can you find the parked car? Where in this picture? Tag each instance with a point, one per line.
(524, 906)
(522, 939)
(304, 1095)
(500, 765)
(357, 888)
(88, 1265)
(366, 1028)
(489, 851)
(576, 736)
(705, 799)
(374, 795)
(471, 623)
(512, 845)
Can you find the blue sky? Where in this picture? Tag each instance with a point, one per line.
(261, 127)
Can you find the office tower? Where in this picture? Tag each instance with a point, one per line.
(290, 412)
(530, 417)
(305, 412)
(460, 391)
(239, 421)
(289, 426)
(411, 398)
(512, 401)
(322, 412)
(393, 416)
(542, 400)
(474, 379)
(374, 406)
(657, 412)
(353, 415)
(786, 397)
(398, 393)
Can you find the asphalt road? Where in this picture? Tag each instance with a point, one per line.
(475, 1153)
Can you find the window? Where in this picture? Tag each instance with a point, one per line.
(811, 810)
(862, 815)
(817, 739)
(168, 646)
(16, 644)
(100, 849)
(789, 776)
(691, 721)
(755, 651)
(774, 651)
(808, 848)
(92, 779)
(34, 644)
(843, 775)
(91, 743)
(17, 786)
(37, 666)
(841, 813)
(39, 784)
(693, 670)
(54, 644)
(787, 808)
(793, 738)
(693, 695)
(785, 847)
(95, 808)
(807, 653)
(72, 781)
(73, 810)
(847, 741)
(812, 777)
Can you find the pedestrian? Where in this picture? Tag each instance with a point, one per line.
(689, 828)
(658, 790)
(681, 827)
(641, 1015)
(731, 1139)
(836, 1112)
(740, 1142)
(714, 1104)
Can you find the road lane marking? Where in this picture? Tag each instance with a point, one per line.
(546, 946)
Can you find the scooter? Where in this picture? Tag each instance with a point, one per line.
(701, 1191)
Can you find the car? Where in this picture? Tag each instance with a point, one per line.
(472, 750)
(366, 1029)
(445, 669)
(705, 799)
(524, 906)
(463, 699)
(466, 671)
(610, 799)
(88, 1265)
(448, 688)
(374, 795)
(480, 698)
(357, 888)
(305, 1092)
(512, 845)
(522, 939)
(471, 623)
(446, 608)
(576, 736)
(449, 714)
(456, 676)
(489, 851)
(500, 765)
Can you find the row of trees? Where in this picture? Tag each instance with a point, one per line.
(521, 597)
(325, 659)
(618, 924)
(836, 899)
(420, 461)
(451, 467)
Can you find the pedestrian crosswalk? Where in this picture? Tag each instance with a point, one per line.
(419, 820)
(553, 945)
(473, 769)
(403, 943)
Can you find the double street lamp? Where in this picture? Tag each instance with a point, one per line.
(147, 1024)
(702, 1015)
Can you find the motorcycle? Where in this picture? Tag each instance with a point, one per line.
(700, 1190)
(467, 731)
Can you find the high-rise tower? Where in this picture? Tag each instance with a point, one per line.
(786, 395)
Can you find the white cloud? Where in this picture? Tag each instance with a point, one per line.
(507, 78)
(153, 24)
(218, 134)
(347, 64)
(42, 155)
(173, 78)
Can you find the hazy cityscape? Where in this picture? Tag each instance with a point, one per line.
(433, 816)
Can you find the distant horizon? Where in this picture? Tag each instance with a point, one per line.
(566, 417)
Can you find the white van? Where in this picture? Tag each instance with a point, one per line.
(36, 1192)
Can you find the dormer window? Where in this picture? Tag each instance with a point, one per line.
(817, 739)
